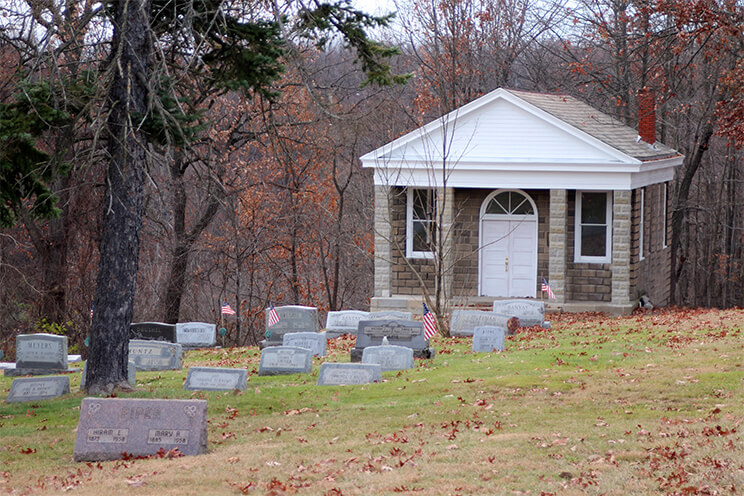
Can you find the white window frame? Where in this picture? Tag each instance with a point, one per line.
(607, 258)
(642, 225)
(410, 253)
(665, 212)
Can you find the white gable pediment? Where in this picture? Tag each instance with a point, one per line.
(502, 129)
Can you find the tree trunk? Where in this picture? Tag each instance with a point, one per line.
(124, 200)
(680, 204)
(184, 241)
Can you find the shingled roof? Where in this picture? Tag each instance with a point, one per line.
(596, 124)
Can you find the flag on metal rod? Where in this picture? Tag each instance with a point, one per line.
(273, 315)
(430, 325)
(91, 310)
(546, 289)
(227, 309)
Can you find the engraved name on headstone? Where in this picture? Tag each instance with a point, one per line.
(196, 334)
(41, 351)
(38, 388)
(216, 379)
(110, 427)
(529, 312)
(284, 360)
(464, 322)
(315, 341)
(155, 331)
(344, 322)
(390, 315)
(155, 355)
(389, 357)
(341, 374)
(488, 339)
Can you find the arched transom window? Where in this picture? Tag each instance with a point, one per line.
(510, 203)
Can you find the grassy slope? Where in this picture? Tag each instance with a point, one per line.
(636, 405)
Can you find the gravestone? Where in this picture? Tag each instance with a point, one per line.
(464, 322)
(407, 333)
(110, 427)
(154, 331)
(343, 374)
(131, 374)
(155, 355)
(389, 357)
(529, 312)
(292, 318)
(314, 341)
(40, 354)
(390, 315)
(285, 360)
(196, 334)
(488, 339)
(344, 322)
(216, 379)
(38, 388)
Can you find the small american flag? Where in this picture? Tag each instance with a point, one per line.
(227, 309)
(430, 325)
(91, 310)
(546, 289)
(273, 315)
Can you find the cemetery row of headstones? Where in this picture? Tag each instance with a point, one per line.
(109, 427)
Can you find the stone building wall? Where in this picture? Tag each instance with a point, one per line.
(651, 274)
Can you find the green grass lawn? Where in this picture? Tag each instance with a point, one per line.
(645, 404)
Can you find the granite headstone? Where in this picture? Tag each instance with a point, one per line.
(314, 341)
(292, 318)
(111, 427)
(389, 357)
(488, 339)
(464, 322)
(155, 331)
(196, 334)
(408, 333)
(216, 379)
(390, 315)
(342, 374)
(25, 389)
(155, 355)
(529, 312)
(40, 354)
(344, 322)
(285, 360)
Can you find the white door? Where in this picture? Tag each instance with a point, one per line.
(508, 255)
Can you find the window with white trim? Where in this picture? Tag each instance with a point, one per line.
(421, 223)
(593, 236)
(642, 224)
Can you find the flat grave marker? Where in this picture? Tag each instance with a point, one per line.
(155, 355)
(344, 322)
(25, 389)
(488, 339)
(196, 334)
(389, 357)
(315, 341)
(216, 379)
(155, 331)
(344, 374)
(109, 427)
(464, 322)
(285, 360)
